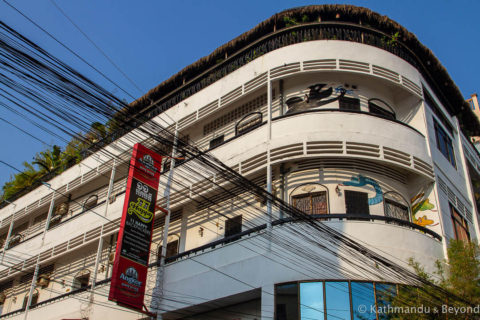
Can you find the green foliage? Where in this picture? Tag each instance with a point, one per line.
(48, 161)
(54, 161)
(392, 41)
(289, 22)
(459, 276)
(20, 180)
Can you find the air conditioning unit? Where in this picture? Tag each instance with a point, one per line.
(43, 280)
(55, 220)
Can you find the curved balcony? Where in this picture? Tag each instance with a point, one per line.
(329, 133)
(249, 255)
(320, 217)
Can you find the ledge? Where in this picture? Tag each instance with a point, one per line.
(320, 217)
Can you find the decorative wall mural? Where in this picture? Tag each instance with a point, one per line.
(316, 97)
(420, 203)
(341, 89)
(360, 181)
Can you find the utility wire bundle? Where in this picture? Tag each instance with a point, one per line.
(60, 101)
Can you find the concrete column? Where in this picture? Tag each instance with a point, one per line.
(183, 232)
(268, 302)
(110, 187)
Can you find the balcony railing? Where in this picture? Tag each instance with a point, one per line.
(320, 217)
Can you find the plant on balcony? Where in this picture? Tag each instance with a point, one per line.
(48, 163)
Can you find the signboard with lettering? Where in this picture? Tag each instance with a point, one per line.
(135, 235)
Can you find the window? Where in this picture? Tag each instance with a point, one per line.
(3, 239)
(173, 246)
(90, 202)
(235, 114)
(444, 143)
(396, 210)
(217, 141)
(460, 226)
(436, 110)
(286, 300)
(349, 104)
(248, 122)
(172, 249)
(33, 302)
(337, 300)
(363, 295)
(356, 202)
(311, 300)
(381, 108)
(233, 226)
(384, 293)
(311, 203)
(5, 289)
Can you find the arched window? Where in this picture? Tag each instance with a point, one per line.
(310, 198)
(33, 302)
(380, 107)
(248, 122)
(395, 206)
(90, 202)
(81, 280)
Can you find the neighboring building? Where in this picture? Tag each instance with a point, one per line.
(360, 125)
(473, 102)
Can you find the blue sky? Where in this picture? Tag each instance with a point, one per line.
(152, 40)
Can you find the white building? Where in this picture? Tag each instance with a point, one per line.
(344, 110)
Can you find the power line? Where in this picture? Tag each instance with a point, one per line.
(96, 46)
(68, 48)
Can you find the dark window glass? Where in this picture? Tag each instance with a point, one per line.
(33, 302)
(311, 300)
(349, 104)
(444, 143)
(233, 226)
(436, 110)
(375, 109)
(81, 281)
(337, 300)
(311, 203)
(286, 299)
(396, 210)
(172, 248)
(217, 141)
(363, 298)
(356, 202)
(460, 226)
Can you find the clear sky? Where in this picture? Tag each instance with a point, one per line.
(151, 40)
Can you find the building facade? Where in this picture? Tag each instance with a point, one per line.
(336, 110)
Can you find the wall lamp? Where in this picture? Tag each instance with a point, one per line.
(338, 191)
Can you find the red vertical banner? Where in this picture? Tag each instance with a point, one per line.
(133, 246)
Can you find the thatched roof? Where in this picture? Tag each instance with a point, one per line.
(432, 69)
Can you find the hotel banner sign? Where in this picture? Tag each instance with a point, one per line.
(133, 245)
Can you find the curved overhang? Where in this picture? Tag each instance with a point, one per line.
(329, 22)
